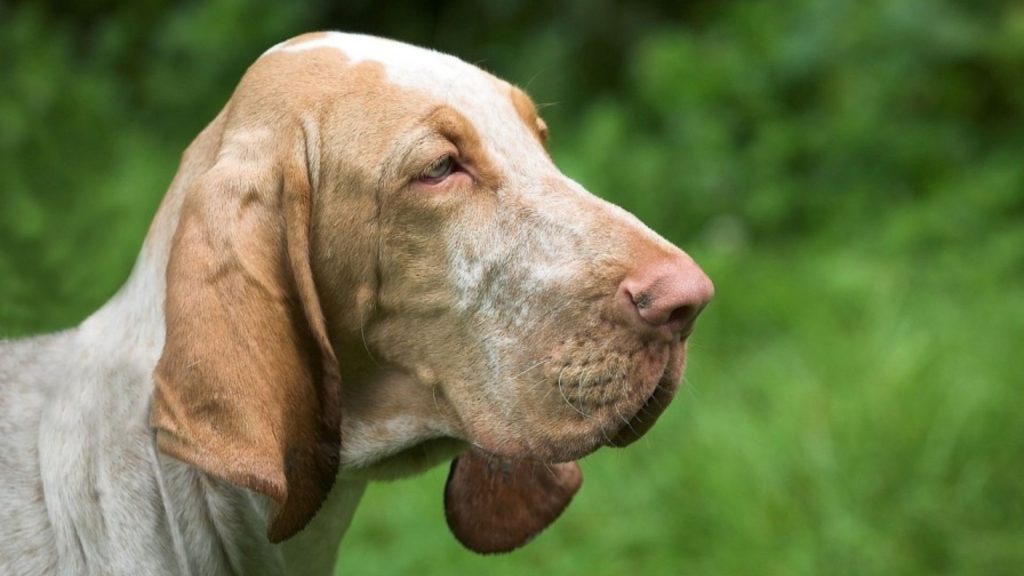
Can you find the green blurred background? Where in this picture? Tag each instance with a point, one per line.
(849, 172)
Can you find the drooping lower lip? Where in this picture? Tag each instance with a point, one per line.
(656, 403)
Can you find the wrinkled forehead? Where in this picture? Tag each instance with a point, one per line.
(502, 115)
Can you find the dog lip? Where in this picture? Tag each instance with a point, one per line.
(644, 418)
(637, 426)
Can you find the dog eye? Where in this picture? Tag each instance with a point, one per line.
(438, 170)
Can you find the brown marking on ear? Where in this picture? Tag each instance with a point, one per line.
(494, 505)
(528, 112)
(247, 387)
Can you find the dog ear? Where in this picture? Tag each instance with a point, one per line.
(247, 387)
(494, 505)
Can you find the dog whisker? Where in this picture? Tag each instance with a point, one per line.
(362, 336)
(628, 423)
(539, 363)
(562, 392)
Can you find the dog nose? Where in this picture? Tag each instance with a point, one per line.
(667, 294)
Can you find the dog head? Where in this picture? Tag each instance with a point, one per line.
(374, 211)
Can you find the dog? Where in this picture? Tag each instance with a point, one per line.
(365, 266)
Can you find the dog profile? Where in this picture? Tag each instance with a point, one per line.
(365, 266)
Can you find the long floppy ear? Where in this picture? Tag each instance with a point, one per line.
(247, 388)
(494, 505)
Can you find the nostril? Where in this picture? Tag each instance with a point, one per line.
(682, 316)
(642, 301)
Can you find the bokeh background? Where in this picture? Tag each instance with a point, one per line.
(850, 173)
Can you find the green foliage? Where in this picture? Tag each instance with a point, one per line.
(94, 120)
(839, 417)
(848, 172)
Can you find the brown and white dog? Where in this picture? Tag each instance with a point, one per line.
(367, 264)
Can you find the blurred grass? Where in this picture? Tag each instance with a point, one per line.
(848, 172)
(840, 415)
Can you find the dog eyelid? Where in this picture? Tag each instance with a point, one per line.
(439, 170)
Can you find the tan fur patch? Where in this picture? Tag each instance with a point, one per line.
(454, 126)
(528, 113)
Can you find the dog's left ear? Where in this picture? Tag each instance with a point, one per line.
(494, 505)
(247, 388)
